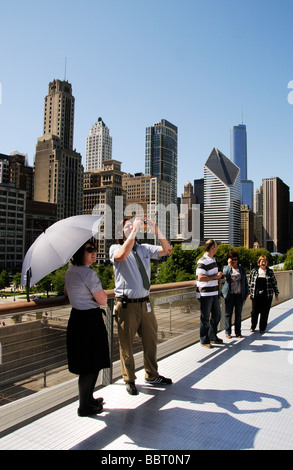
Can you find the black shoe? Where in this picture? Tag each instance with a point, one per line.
(160, 380)
(97, 401)
(217, 341)
(90, 410)
(131, 388)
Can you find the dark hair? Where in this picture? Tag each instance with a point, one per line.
(233, 254)
(119, 230)
(209, 244)
(77, 258)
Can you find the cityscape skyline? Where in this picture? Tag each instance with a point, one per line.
(169, 65)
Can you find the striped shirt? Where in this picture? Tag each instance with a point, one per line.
(209, 267)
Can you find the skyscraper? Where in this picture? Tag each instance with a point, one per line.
(161, 154)
(222, 218)
(101, 188)
(98, 146)
(58, 169)
(238, 142)
(275, 214)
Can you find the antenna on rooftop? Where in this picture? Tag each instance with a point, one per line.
(65, 68)
(241, 114)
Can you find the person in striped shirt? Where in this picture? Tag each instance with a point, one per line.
(208, 285)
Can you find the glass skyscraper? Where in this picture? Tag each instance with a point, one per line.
(222, 219)
(238, 141)
(161, 154)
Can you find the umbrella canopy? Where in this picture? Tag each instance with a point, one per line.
(56, 245)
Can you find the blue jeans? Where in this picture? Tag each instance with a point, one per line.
(210, 316)
(233, 302)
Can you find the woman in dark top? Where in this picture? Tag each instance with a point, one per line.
(262, 287)
(87, 340)
(235, 291)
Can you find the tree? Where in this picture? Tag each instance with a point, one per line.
(17, 279)
(4, 279)
(288, 264)
(58, 280)
(44, 284)
(106, 275)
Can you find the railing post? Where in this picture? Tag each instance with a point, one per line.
(107, 374)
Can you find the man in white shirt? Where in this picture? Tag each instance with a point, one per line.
(208, 286)
(134, 312)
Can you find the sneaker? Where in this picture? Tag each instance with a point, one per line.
(206, 345)
(131, 388)
(160, 380)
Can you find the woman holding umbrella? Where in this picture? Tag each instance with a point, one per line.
(87, 341)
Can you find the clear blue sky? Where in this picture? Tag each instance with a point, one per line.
(133, 63)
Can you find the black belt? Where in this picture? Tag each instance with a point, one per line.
(143, 299)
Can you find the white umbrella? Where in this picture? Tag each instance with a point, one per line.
(56, 245)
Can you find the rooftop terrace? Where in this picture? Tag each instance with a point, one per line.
(238, 395)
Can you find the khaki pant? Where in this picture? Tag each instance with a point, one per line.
(131, 320)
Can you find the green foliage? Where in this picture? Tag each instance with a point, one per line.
(44, 285)
(106, 275)
(180, 266)
(58, 280)
(288, 264)
(17, 279)
(4, 279)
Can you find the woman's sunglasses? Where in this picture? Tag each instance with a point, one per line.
(90, 249)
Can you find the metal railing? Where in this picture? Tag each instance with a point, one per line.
(33, 339)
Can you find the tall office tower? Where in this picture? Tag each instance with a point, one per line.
(12, 227)
(258, 201)
(58, 169)
(275, 214)
(161, 162)
(98, 146)
(4, 168)
(100, 192)
(222, 220)
(238, 143)
(148, 196)
(198, 186)
(161, 154)
(258, 218)
(247, 226)
(186, 215)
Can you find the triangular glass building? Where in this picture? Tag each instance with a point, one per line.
(222, 217)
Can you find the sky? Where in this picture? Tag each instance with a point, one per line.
(204, 65)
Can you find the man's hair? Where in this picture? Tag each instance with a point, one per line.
(209, 244)
(119, 230)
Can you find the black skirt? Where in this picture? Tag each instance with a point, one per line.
(87, 342)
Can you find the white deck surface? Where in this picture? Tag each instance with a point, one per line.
(238, 395)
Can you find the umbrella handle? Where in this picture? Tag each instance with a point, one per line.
(28, 277)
